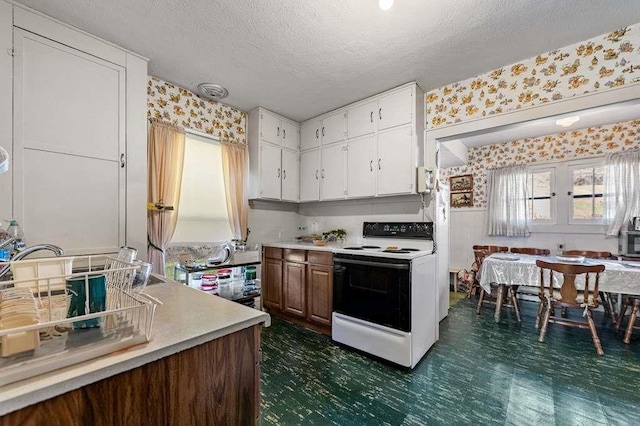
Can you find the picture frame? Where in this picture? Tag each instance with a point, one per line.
(461, 199)
(461, 183)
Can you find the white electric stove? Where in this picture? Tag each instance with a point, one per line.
(385, 293)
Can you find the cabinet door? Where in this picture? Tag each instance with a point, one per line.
(332, 129)
(395, 109)
(270, 130)
(361, 166)
(332, 172)
(272, 285)
(290, 135)
(69, 186)
(6, 103)
(396, 170)
(270, 171)
(310, 135)
(294, 290)
(290, 176)
(310, 175)
(320, 293)
(361, 119)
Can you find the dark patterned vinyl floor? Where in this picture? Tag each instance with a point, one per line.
(479, 372)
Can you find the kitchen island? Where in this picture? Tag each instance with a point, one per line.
(202, 366)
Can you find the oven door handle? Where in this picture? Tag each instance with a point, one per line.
(368, 263)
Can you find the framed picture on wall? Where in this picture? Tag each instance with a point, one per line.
(461, 183)
(462, 199)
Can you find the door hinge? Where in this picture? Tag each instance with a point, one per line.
(11, 52)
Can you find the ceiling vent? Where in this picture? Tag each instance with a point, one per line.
(212, 91)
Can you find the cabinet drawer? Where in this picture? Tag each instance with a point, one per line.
(292, 255)
(320, 257)
(272, 253)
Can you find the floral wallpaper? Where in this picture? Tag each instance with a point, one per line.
(600, 63)
(589, 142)
(180, 106)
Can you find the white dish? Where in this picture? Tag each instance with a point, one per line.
(570, 259)
(506, 257)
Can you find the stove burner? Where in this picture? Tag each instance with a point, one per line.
(402, 251)
(409, 249)
(371, 247)
(354, 248)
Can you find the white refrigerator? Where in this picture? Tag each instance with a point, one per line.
(442, 248)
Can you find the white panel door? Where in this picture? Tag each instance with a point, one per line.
(310, 175)
(270, 127)
(69, 137)
(270, 171)
(310, 135)
(395, 109)
(333, 129)
(290, 135)
(360, 167)
(6, 106)
(396, 171)
(332, 172)
(290, 175)
(361, 119)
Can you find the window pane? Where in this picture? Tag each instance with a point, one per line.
(598, 208)
(202, 216)
(541, 210)
(598, 180)
(542, 184)
(582, 181)
(583, 208)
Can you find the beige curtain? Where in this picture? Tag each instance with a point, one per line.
(235, 165)
(165, 158)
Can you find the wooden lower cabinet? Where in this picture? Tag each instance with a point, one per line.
(320, 292)
(294, 289)
(216, 383)
(305, 280)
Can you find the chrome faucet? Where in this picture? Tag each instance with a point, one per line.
(29, 250)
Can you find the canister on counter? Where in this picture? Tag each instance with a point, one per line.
(250, 275)
(224, 276)
(209, 282)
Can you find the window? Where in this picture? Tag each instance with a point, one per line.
(586, 183)
(202, 216)
(540, 190)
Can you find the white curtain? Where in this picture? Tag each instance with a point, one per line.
(621, 190)
(507, 213)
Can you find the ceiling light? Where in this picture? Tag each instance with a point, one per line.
(386, 4)
(212, 91)
(568, 121)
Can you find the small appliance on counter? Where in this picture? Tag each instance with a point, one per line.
(629, 243)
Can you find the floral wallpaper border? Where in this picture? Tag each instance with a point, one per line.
(600, 63)
(589, 142)
(182, 107)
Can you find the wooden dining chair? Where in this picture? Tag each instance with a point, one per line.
(531, 251)
(588, 254)
(480, 252)
(500, 294)
(568, 297)
(629, 301)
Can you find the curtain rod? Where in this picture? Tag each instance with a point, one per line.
(202, 134)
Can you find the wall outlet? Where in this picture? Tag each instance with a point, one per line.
(302, 228)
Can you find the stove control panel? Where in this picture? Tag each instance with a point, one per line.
(418, 230)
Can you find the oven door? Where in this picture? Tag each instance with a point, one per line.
(373, 289)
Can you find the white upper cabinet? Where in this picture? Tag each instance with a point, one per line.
(310, 175)
(310, 135)
(396, 167)
(361, 170)
(290, 135)
(396, 108)
(270, 172)
(332, 173)
(6, 115)
(333, 128)
(361, 119)
(290, 176)
(270, 127)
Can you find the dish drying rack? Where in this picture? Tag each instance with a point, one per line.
(114, 317)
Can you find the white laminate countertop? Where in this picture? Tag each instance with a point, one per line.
(306, 246)
(188, 318)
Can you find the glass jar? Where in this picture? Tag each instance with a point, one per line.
(250, 275)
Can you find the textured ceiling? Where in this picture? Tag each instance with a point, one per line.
(302, 58)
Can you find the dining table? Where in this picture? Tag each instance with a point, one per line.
(520, 270)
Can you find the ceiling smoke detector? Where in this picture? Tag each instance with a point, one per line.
(212, 91)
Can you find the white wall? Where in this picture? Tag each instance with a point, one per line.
(467, 229)
(273, 221)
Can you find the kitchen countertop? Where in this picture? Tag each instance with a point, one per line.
(331, 246)
(188, 318)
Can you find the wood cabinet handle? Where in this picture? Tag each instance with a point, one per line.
(371, 116)
(380, 113)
